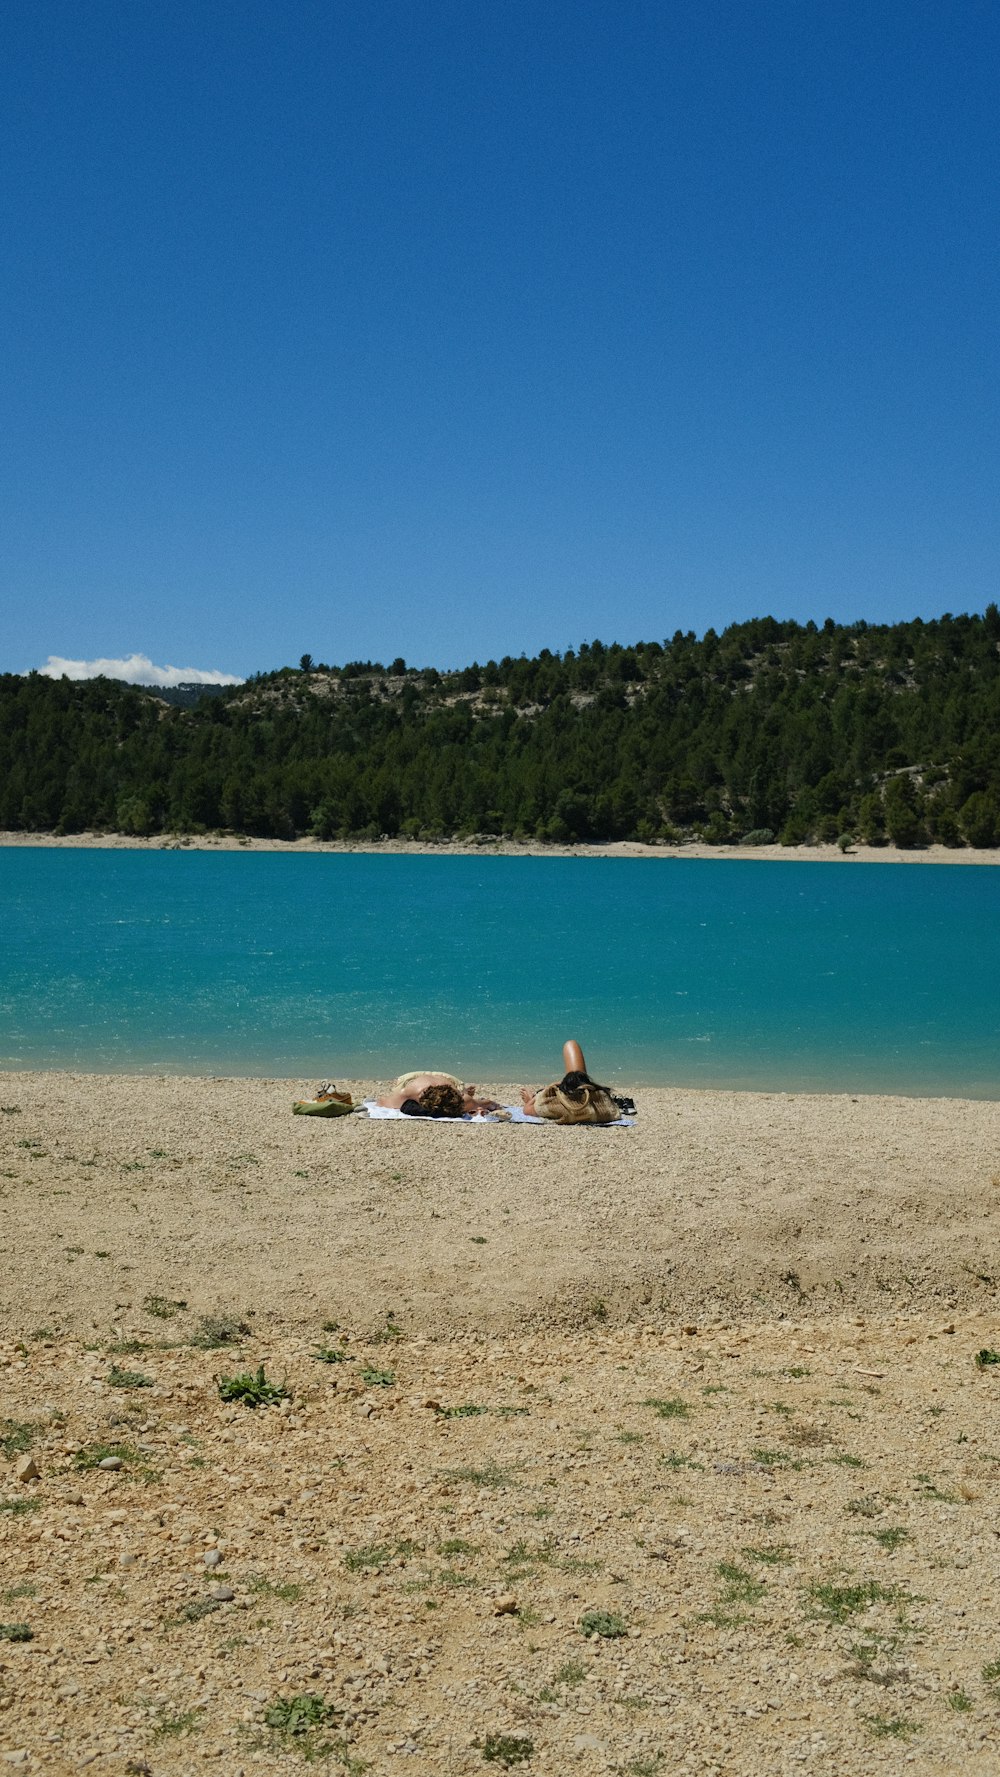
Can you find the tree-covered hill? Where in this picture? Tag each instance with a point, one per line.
(769, 728)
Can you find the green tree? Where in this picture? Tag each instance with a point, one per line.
(871, 819)
(132, 815)
(980, 819)
(903, 812)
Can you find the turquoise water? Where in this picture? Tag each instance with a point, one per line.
(782, 976)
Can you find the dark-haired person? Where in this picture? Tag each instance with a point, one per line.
(409, 1088)
(576, 1098)
(436, 1101)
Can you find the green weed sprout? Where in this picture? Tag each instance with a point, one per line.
(253, 1389)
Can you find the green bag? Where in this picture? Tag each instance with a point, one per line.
(321, 1107)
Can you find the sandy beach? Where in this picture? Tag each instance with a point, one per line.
(508, 848)
(211, 1190)
(623, 1451)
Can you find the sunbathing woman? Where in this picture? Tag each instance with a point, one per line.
(576, 1098)
(411, 1088)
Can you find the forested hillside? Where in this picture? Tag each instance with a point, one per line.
(771, 729)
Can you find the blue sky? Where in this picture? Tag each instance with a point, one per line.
(450, 330)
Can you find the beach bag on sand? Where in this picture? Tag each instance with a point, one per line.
(327, 1103)
(321, 1107)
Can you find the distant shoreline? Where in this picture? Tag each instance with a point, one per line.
(508, 848)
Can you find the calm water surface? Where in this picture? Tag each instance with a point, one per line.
(784, 976)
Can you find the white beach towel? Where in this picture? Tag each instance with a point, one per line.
(513, 1113)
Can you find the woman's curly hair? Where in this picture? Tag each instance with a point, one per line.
(435, 1101)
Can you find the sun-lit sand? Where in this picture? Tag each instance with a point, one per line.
(613, 1451)
(210, 1189)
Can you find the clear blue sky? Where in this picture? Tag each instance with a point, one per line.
(451, 329)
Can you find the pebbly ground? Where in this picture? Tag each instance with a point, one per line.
(767, 1548)
(663, 1452)
(717, 1203)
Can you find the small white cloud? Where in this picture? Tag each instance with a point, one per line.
(135, 669)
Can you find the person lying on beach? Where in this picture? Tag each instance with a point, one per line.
(411, 1088)
(576, 1098)
(436, 1101)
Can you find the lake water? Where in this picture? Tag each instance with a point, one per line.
(784, 976)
